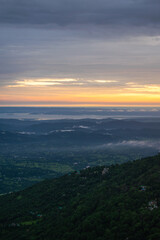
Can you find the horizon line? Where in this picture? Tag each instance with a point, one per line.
(78, 106)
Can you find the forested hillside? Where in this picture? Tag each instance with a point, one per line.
(119, 202)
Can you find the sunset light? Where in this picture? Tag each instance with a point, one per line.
(86, 59)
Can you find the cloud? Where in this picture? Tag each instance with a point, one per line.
(42, 82)
(136, 143)
(27, 53)
(105, 81)
(101, 44)
(85, 12)
(150, 88)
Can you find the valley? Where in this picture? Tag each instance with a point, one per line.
(34, 150)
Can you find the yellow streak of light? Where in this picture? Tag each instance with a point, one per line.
(52, 92)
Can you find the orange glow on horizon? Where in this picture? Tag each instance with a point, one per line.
(83, 100)
(64, 92)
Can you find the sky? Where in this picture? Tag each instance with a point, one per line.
(79, 53)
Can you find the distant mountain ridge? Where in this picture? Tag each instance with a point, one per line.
(76, 131)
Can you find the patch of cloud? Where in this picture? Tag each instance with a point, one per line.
(150, 88)
(41, 82)
(136, 143)
(105, 81)
(38, 82)
(148, 40)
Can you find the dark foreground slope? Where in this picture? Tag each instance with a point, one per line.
(120, 202)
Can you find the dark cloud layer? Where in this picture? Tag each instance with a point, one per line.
(113, 40)
(70, 12)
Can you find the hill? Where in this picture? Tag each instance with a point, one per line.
(118, 202)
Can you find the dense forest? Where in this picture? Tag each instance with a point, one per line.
(116, 202)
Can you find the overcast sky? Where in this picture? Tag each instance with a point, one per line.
(79, 51)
